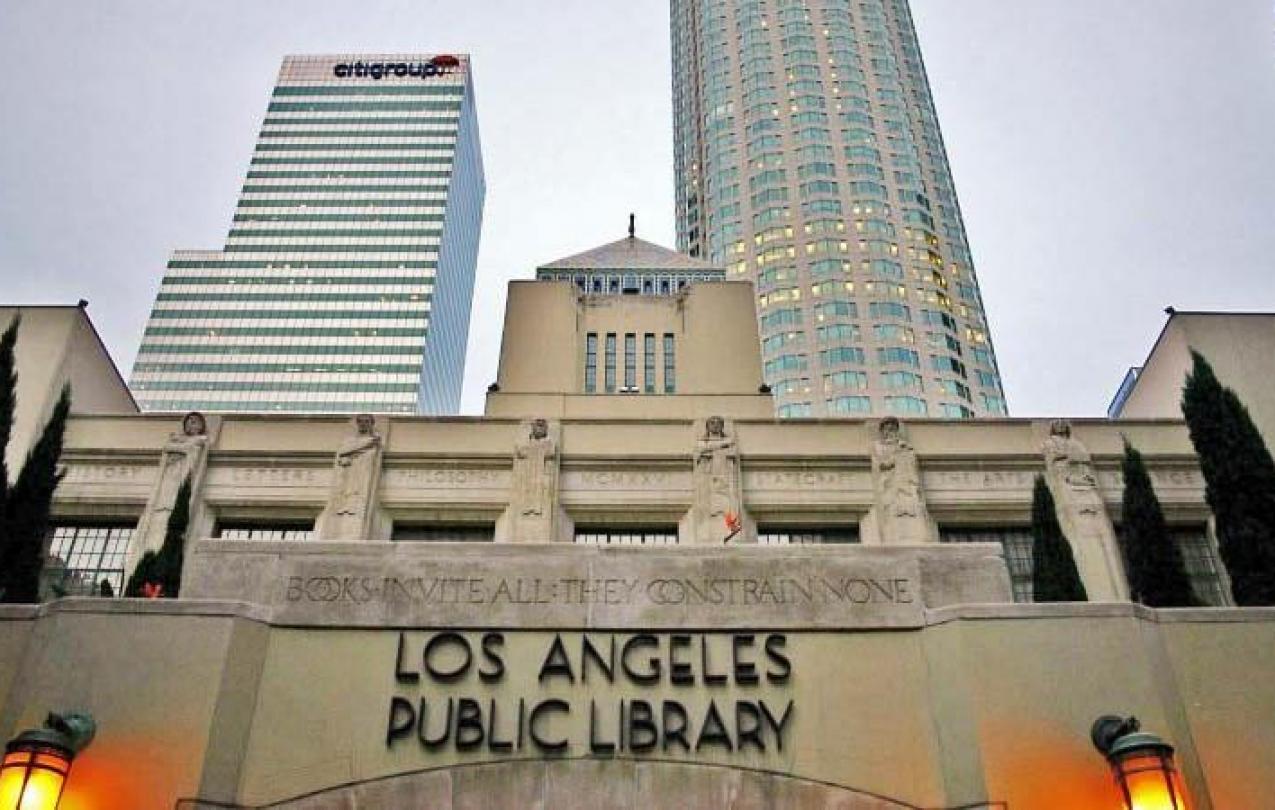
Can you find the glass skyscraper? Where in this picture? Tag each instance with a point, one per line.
(346, 280)
(809, 161)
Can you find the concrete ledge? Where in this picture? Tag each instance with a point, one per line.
(932, 617)
(138, 607)
(1092, 610)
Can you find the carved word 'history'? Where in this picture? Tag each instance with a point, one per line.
(600, 694)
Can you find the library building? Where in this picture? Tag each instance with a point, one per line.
(626, 585)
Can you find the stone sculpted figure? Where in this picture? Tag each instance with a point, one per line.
(355, 474)
(183, 456)
(1069, 464)
(536, 471)
(718, 492)
(532, 516)
(1069, 471)
(902, 516)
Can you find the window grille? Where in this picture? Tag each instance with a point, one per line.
(81, 557)
(806, 535)
(1203, 567)
(1017, 542)
(443, 533)
(657, 536)
(265, 532)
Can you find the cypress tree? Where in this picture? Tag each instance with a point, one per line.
(8, 386)
(8, 383)
(1153, 562)
(1054, 574)
(26, 510)
(1239, 478)
(164, 568)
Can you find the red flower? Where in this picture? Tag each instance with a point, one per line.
(733, 523)
(152, 590)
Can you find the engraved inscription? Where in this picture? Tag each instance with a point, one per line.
(980, 479)
(689, 591)
(273, 475)
(446, 477)
(94, 473)
(801, 479)
(621, 479)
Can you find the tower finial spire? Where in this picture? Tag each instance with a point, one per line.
(632, 225)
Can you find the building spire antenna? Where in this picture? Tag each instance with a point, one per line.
(632, 225)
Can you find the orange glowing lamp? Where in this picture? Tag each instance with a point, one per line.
(37, 762)
(1142, 764)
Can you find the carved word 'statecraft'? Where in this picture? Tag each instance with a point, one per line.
(356, 474)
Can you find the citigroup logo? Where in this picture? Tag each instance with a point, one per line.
(438, 66)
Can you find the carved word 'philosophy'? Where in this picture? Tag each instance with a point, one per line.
(675, 591)
(671, 693)
(444, 477)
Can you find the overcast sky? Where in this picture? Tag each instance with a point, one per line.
(1112, 157)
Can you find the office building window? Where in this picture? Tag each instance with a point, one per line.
(626, 536)
(648, 363)
(806, 535)
(670, 365)
(81, 558)
(267, 531)
(591, 363)
(610, 363)
(630, 363)
(1017, 542)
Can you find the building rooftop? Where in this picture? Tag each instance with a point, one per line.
(630, 253)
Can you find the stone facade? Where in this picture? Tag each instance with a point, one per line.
(624, 599)
(217, 704)
(700, 482)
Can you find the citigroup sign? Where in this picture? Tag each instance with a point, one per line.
(437, 66)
